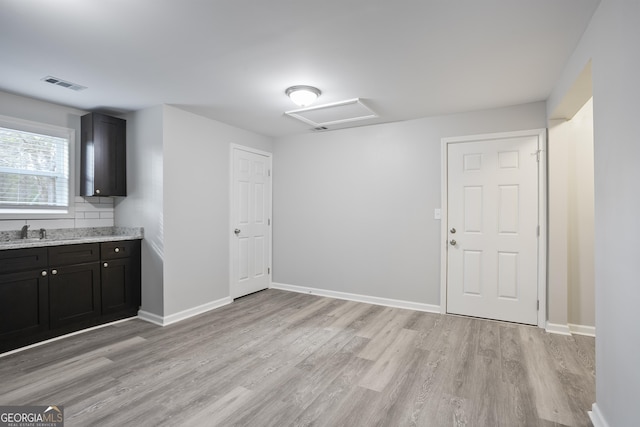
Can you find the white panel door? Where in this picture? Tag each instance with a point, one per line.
(492, 256)
(250, 212)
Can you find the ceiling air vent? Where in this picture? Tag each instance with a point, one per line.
(59, 82)
(322, 116)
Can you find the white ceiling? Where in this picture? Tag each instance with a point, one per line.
(232, 60)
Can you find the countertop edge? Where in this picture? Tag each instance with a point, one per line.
(136, 234)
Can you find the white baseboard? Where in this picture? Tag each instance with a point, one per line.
(589, 331)
(570, 329)
(150, 317)
(359, 298)
(558, 328)
(182, 315)
(596, 417)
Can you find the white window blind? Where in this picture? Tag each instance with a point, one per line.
(34, 168)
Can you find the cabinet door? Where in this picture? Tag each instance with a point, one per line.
(110, 156)
(118, 281)
(24, 305)
(103, 151)
(74, 295)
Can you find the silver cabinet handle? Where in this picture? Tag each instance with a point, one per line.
(237, 231)
(54, 272)
(44, 273)
(453, 242)
(97, 191)
(452, 231)
(116, 250)
(106, 264)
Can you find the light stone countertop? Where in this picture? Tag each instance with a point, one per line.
(69, 236)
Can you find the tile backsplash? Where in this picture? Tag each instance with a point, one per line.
(89, 212)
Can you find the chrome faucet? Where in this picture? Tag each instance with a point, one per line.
(24, 232)
(43, 233)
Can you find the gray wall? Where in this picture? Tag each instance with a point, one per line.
(197, 182)
(25, 108)
(178, 190)
(353, 209)
(611, 42)
(143, 206)
(581, 228)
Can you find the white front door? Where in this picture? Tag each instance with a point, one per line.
(492, 228)
(250, 222)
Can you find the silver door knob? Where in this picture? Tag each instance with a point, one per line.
(105, 265)
(54, 272)
(452, 231)
(237, 231)
(116, 250)
(452, 242)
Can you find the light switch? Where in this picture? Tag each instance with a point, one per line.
(436, 214)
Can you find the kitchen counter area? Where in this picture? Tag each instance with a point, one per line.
(58, 281)
(68, 236)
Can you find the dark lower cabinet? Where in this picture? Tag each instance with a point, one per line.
(74, 295)
(120, 277)
(24, 306)
(53, 291)
(118, 286)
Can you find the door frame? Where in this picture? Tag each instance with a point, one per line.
(232, 148)
(542, 212)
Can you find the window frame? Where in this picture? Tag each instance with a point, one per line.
(51, 130)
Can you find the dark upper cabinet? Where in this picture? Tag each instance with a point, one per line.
(103, 156)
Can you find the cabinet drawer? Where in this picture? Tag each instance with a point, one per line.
(121, 249)
(12, 260)
(74, 254)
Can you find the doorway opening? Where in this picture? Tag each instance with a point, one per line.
(571, 212)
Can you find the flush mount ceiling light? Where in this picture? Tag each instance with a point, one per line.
(303, 95)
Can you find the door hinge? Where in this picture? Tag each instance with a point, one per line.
(537, 154)
(268, 270)
(538, 305)
(269, 172)
(269, 221)
(538, 230)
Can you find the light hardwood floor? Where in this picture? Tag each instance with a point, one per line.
(278, 358)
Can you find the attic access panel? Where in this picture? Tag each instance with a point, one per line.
(335, 113)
